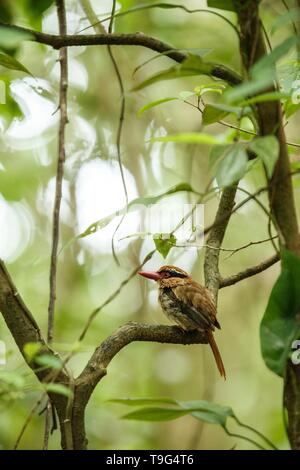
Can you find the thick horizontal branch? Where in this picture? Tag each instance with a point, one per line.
(229, 281)
(136, 39)
(96, 366)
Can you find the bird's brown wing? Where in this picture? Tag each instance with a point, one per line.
(198, 303)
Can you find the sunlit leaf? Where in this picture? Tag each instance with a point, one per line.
(183, 95)
(280, 325)
(155, 103)
(10, 37)
(291, 108)
(10, 62)
(266, 148)
(59, 389)
(164, 245)
(145, 201)
(31, 350)
(232, 167)
(190, 138)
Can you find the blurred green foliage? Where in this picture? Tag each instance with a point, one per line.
(87, 272)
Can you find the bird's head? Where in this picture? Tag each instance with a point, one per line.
(167, 276)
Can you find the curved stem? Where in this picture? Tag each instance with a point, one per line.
(240, 436)
(258, 433)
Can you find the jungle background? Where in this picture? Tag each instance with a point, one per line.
(92, 189)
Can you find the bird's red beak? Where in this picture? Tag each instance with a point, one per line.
(150, 275)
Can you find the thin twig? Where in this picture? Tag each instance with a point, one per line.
(146, 7)
(114, 295)
(120, 126)
(231, 250)
(28, 420)
(235, 278)
(245, 438)
(60, 166)
(258, 242)
(258, 433)
(61, 14)
(47, 425)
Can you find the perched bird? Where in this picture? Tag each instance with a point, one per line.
(188, 304)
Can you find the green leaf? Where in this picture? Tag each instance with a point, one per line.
(290, 108)
(232, 167)
(31, 350)
(183, 95)
(265, 97)
(248, 88)
(211, 88)
(200, 409)
(11, 63)
(209, 412)
(155, 103)
(59, 389)
(222, 4)
(265, 64)
(212, 114)
(10, 37)
(145, 201)
(193, 50)
(193, 65)
(262, 74)
(216, 153)
(142, 401)
(49, 361)
(38, 7)
(290, 16)
(164, 245)
(6, 12)
(156, 414)
(266, 148)
(280, 324)
(190, 138)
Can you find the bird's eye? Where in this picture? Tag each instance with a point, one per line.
(166, 274)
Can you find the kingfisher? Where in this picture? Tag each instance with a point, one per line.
(187, 303)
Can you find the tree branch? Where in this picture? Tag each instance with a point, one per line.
(235, 278)
(215, 239)
(281, 196)
(63, 58)
(136, 39)
(126, 334)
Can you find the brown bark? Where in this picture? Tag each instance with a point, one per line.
(281, 196)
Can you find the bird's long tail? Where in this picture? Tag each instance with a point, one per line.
(216, 354)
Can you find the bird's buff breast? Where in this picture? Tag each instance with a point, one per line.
(173, 311)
